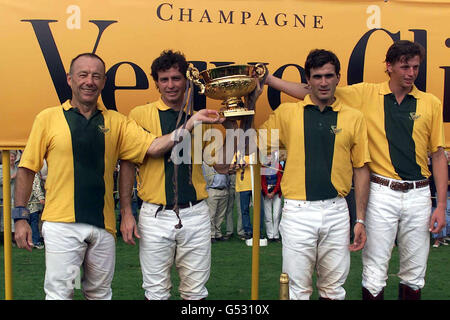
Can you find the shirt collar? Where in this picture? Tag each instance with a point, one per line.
(162, 106)
(67, 106)
(385, 89)
(336, 106)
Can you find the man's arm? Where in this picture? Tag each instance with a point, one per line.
(22, 192)
(165, 143)
(128, 226)
(294, 89)
(440, 176)
(361, 182)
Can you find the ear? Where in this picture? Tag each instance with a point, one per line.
(388, 67)
(69, 79)
(338, 76)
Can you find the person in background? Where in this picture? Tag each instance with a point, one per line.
(217, 185)
(35, 207)
(271, 175)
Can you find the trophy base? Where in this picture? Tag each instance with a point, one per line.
(238, 112)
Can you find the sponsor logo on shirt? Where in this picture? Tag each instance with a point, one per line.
(335, 130)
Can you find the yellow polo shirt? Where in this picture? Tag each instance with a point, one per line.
(400, 136)
(155, 178)
(244, 180)
(81, 156)
(322, 148)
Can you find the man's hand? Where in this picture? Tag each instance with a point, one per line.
(22, 235)
(438, 217)
(250, 100)
(360, 237)
(128, 227)
(204, 116)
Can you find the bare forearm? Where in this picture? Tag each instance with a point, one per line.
(294, 89)
(440, 176)
(361, 181)
(126, 183)
(160, 146)
(23, 186)
(165, 143)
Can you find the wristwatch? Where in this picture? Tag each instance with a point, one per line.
(360, 221)
(19, 213)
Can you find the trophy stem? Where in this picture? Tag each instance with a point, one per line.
(233, 102)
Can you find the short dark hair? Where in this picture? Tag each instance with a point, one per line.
(86, 54)
(318, 58)
(404, 49)
(167, 60)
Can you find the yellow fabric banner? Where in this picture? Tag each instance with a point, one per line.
(40, 37)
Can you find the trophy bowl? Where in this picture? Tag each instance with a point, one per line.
(229, 84)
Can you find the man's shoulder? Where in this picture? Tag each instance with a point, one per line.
(426, 95)
(114, 116)
(145, 108)
(50, 112)
(345, 108)
(289, 107)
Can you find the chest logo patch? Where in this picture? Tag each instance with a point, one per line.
(103, 129)
(414, 116)
(335, 130)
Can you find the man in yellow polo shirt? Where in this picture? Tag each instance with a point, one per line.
(165, 235)
(81, 142)
(326, 143)
(404, 125)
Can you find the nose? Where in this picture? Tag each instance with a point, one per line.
(170, 83)
(410, 71)
(89, 80)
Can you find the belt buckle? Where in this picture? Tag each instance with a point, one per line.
(402, 186)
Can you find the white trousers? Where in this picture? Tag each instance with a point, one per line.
(391, 214)
(69, 246)
(272, 212)
(316, 237)
(161, 243)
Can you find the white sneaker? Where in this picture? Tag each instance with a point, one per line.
(38, 246)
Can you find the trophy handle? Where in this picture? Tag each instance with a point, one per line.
(193, 74)
(260, 70)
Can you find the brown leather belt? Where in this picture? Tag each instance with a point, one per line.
(181, 205)
(399, 186)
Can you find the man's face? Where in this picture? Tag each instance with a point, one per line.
(86, 80)
(323, 82)
(404, 72)
(12, 159)
(171, 84)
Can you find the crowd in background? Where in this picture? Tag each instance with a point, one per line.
(223, 201)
